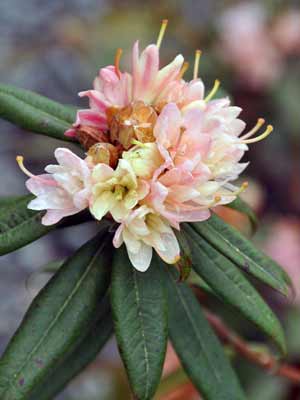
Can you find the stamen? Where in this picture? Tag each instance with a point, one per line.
(258, 125)
(183, 70)
(20, 161)
(196, 64)
(260, 137)
(49, 182)
(217, 198)
(162, 32)
(213, 91)
(117, 61)
(243, 187)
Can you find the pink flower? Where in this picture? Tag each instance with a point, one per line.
(246, 44)
(143, 230)
(160, 153)
(202, 152)
(286, 32)
(114, 90)
(63, 191)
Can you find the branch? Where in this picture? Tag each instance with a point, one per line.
(264, 360)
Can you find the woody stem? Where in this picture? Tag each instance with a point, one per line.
(264, 360)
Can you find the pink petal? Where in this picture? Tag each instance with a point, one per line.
(91, 118)
(167, 127)
(97, 100)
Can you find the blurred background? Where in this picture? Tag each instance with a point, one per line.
(56, 48)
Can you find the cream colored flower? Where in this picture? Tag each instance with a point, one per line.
(115, 191)
(144, 230)
(144, 159)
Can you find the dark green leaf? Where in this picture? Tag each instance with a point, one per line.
(233, 245)
(240, 205)
(199, 350)
(57, 321)
(35, 113)
(140, 319)
(229, 283)
(84, 354)
(20, 226)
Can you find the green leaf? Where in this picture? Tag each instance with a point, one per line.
(196, 345)
(140, 319)
(233, 245)
(35, 113)
(240, 205)
(83, 355)
(20, 226)
(229, 283)
(57, 320)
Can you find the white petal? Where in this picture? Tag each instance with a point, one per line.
(142, 259)
(172, 252)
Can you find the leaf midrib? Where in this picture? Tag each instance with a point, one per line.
(53, 323)
(34, 108)
(242, 254)
(140, 313)
(239, 288)
(6, 90)
(25, 221)
(185, 306)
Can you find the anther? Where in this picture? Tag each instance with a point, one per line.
(162, 32)
(243, 187)
(258, 125)
(196, 64)
(260, 137)
(213, 91)
(117, 61)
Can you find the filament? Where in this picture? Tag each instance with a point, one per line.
(183, 70)
(243, 187)
(258, 125)
(196, 64)
(213, 91)
(20, 161)
(162, 32)
(49, 182)
(117, 61)
(260, 137)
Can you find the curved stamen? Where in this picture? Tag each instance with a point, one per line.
(49, 182)
(117, 61)
(196, 64)
(183, 70)
(213, 91)
(258, 125)
(162, 32)
(20, 161)
(243, 187)
(260, 137)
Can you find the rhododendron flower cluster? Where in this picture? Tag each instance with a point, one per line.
(158, 152)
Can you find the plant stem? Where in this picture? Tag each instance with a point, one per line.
(264, 360)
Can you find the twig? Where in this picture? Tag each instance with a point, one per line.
(264, 360)
(185, 391)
